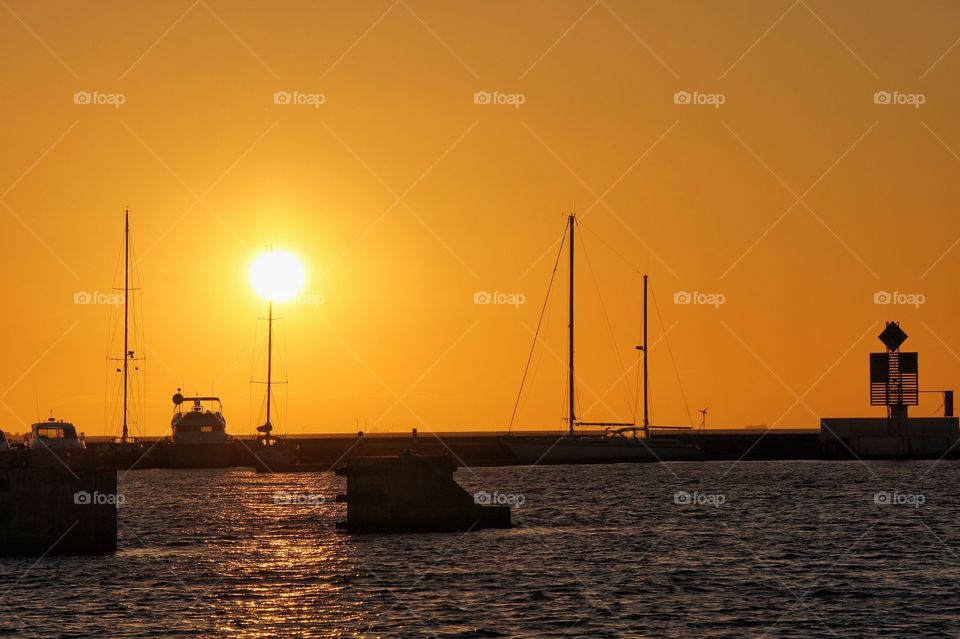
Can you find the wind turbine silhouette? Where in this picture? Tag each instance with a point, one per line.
(703, 417)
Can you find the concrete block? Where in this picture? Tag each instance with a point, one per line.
(56, 511)
(412, 493)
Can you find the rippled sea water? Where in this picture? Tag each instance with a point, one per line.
(795, 549)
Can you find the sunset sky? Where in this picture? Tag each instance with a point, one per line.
(790, 160)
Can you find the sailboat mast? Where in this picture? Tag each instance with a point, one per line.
(646, 411)
(269, 359)
(572, 378)
(126, 317)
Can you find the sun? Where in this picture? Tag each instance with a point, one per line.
(277, 275)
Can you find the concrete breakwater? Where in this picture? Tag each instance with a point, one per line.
(54, 504)
(325, 452)
(412, 493)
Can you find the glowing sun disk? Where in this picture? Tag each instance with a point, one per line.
(276, 276)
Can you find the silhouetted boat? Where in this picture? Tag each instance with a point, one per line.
(200, 437)
(608, 441)
(605, 446)
(271, 453)
(199, 425)
(53, 435)
(125, 452)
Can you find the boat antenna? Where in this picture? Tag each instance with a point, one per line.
(573, 413)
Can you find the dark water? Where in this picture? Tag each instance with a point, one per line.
(771, 550)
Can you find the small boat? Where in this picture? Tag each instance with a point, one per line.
(53, 435)
(200, 437)
(593, 442)
(201, 424)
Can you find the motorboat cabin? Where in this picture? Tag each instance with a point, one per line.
(202, 423)
(54, 435)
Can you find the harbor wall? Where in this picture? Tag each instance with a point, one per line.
(55, 510)
(322, 453)
(889, 438)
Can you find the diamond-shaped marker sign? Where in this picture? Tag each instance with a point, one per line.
(892, 336)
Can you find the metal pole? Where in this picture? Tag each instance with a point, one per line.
(646, 411)
(269, 360)
(573, 413)
(126, 316)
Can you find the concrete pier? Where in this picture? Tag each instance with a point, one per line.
(412, 494)
(894, 437)
(54, 509)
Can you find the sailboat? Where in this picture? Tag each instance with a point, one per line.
(271, 453)
(125, 451)
(609, 441)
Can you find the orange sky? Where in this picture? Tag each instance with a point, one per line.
(796, 199)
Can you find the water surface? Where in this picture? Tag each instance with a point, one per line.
(763, 549)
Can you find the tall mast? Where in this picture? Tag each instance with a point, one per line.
(268, 426)
(573, 413)
(646, 411)
(126, 316)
